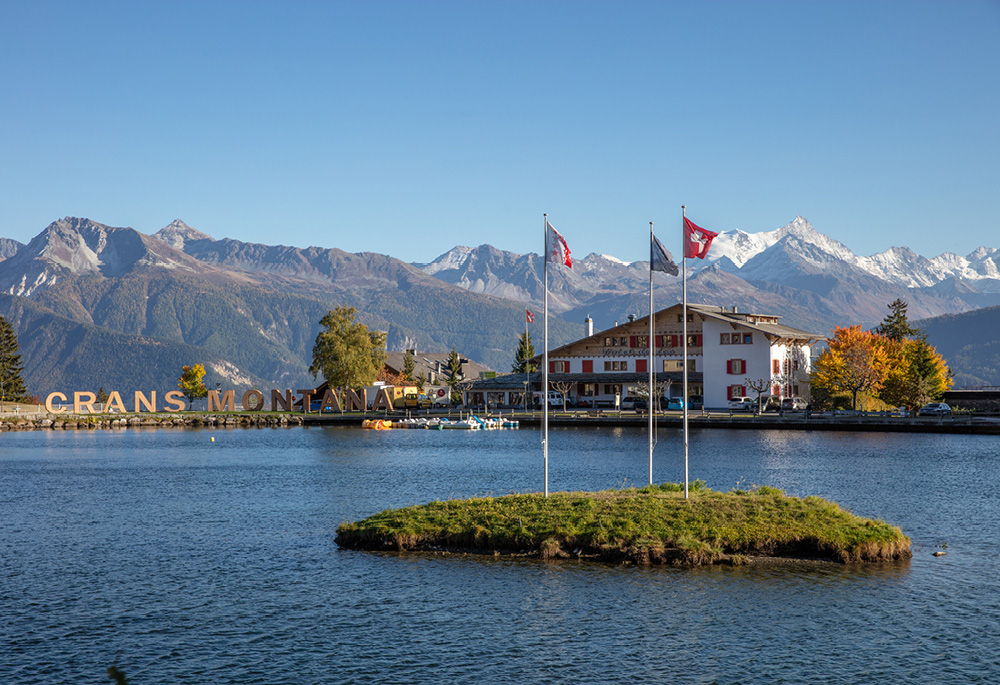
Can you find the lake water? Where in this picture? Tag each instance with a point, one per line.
(214, 562)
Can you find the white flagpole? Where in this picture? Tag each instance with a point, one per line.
(527, 362)
(652, 356)
(684, 329)
(545, 362)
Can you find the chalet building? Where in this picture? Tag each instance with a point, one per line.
(725, 348)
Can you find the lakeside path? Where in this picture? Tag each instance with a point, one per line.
(966, 424)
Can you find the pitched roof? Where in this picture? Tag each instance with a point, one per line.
(430, 363)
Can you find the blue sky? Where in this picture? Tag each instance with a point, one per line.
(409, 127)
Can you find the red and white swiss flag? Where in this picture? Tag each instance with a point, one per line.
(697, 240)
(556, 249)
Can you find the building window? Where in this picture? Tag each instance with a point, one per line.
(737, 339)
(694, 340)
(616, 366)
(724, 339)
(642, 341)
(673, 365)
(587, 389)
(775, 366)
(612, 389)
(748, 338)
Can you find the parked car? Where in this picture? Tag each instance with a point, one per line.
(793, 404)
(555, 399)
(935, 409)
(696, 402)
(742, 404)
(673, 403)
(417, 401)
(636, 403)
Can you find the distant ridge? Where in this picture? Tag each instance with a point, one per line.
(250, 312)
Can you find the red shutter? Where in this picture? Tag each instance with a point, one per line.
(588, 366)
(775, 367)
(729, 366)
(673, 341)
(631, 341)
(729, 392)
(640, 366)
(697, 342)
(552, 367)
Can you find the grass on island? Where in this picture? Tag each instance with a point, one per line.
(654, 524)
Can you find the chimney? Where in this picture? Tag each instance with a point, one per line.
(589, 326)
(631, 318)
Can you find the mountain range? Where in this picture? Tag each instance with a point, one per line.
(101, 306)
(813, 281)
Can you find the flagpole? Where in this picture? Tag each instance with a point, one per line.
(652, 355)
(684, 334)
(527, 363)
(545, 360)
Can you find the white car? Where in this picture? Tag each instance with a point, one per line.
(742, 404)
(793, 404)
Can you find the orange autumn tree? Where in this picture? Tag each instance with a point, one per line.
(853, 362)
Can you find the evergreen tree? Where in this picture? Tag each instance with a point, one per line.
(454, 373)
(11, 371)
(524, 354)
(896, 326)
(409, 364)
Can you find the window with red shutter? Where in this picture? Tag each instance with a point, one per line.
(588, 366)
(640, 366)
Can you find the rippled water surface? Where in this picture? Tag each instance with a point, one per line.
(214, 562)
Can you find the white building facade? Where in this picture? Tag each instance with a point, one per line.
(728, 353)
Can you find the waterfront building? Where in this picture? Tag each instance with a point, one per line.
(725, 347)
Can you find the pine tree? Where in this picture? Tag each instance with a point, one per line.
(12, 386)
(454, 373)
(525, 353)
(409, 364)
(896, 326)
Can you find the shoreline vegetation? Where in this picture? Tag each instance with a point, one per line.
(650, 525)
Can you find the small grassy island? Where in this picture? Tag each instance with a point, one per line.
(651, 525)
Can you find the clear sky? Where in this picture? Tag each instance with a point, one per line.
(409, 127)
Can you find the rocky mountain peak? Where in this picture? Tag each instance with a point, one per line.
(177, 233)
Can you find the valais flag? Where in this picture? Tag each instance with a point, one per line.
(696, 240)
(556, 249)
(528, 316)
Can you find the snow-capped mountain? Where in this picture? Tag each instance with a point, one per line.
(898, 265)
(810, 278)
